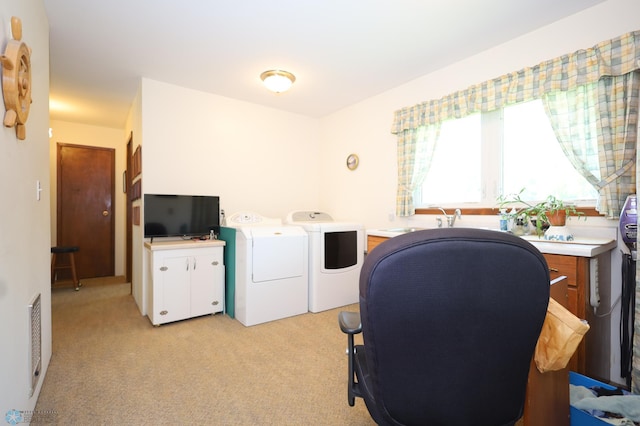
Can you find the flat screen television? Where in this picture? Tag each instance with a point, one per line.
(180, 215)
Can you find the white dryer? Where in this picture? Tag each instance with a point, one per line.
(272, 268)
(336, 253)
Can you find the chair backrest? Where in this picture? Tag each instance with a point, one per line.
(450, 320)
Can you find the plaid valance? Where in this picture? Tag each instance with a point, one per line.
(610, 58)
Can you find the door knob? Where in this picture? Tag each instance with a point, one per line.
(105, 213)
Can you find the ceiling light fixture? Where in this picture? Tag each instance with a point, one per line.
(277, 81)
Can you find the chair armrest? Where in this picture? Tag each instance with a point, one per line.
(350, 322)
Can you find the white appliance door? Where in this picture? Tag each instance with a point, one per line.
(277, 253)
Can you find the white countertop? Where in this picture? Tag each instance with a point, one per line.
(391, 232)
(583, 247)
(183, 244)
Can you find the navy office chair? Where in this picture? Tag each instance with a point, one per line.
(450, 319)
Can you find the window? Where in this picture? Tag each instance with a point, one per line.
(483, 155)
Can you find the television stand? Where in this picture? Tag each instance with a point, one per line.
(185, 280)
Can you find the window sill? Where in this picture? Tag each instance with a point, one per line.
(491, 211)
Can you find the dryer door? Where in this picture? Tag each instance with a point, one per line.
(277, 253)
(340, 249)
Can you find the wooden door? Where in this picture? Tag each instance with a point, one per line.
(86, 187)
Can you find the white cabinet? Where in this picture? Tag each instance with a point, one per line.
(187, 280)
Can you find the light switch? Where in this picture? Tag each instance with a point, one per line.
(38, 190)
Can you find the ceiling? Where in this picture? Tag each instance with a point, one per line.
(341, 51)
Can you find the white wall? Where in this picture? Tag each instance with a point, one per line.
(368, 194)
(24, 228)
(253, 157)
(80, 134)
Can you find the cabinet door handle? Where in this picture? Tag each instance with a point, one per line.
(554, 270)
(195, 263)
(186, 264)
(214, 263)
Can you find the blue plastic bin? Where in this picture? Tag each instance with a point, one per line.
(579, 417)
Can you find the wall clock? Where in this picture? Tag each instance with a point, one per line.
(16, 80)
(352, 162)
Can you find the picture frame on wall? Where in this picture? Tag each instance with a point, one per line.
(137, 161)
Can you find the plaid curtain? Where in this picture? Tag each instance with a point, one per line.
(617, 137)
(596, 125)
(415, 151)
(572, 114)
(619, 56)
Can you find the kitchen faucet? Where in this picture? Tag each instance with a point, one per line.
(451, 219)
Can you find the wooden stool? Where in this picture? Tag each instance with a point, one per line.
(69, 251)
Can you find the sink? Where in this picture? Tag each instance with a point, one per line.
(402, 230)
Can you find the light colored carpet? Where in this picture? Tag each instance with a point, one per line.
(111, 366)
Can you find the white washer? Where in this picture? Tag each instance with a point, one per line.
(272, 268)
(336, 253)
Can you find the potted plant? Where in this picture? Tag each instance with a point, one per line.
(552, 211)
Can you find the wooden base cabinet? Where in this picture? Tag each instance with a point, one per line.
(576, 269)
(547, 399)
(373, 241)
(186, 281)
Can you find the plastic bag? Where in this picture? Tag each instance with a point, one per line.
(561, 334)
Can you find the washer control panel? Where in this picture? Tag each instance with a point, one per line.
(309, 216)
(243, 218)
